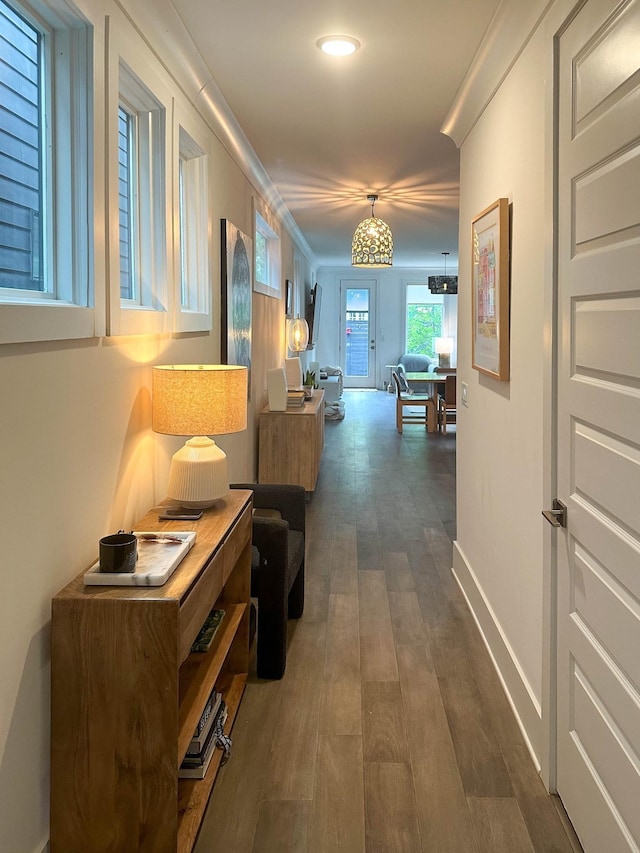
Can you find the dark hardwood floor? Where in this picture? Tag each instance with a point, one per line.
(390, 730)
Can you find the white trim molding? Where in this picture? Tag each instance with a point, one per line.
(526, 708)
(509, 31)
(160, 25)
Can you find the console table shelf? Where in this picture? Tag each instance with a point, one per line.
(126, 692)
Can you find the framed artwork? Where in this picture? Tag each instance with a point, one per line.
(490, 289)
(288, 298)
(236, 265)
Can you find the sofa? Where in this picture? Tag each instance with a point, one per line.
(413, 362)
(332, 383)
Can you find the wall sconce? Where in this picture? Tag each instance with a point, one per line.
(444, 348)
(199, 400)
(297, 335)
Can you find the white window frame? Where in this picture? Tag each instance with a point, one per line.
(193, 229)
(136, 82)
(66, 308)
(430, 299)
(268, 227)
(449, 312)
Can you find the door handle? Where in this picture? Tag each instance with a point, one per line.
(557, 516)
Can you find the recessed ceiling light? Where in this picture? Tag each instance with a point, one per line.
(338, 45)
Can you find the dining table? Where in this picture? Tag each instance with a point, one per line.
(436, 378)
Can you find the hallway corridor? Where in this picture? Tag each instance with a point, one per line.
(390, 731)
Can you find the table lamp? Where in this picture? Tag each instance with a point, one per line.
(199, 400)
(444, 348)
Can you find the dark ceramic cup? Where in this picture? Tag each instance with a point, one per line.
(118, 553)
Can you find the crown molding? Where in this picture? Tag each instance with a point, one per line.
(164, 32)
(507, 35)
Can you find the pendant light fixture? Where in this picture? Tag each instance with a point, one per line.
(298, 335)
(447, 284)
(372, 244)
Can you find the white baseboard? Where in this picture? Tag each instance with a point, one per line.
(525, 707)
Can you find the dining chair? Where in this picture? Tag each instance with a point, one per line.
(447, 404)
(406, 402)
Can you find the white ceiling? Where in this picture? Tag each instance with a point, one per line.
(330, 130)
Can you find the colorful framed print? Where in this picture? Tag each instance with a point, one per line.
(490, 290)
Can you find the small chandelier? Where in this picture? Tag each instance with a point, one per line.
(372, 244)
(443, 283)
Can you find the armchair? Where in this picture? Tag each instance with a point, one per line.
(277, 569)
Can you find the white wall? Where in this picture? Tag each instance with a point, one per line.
(390, 337)
(79, 460)
(498, 555)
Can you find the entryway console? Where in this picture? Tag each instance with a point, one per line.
(127, 692)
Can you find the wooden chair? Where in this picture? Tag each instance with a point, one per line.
(447, 404)
(405, 400)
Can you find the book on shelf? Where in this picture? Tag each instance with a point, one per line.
(206, 722)
(196, 766)
(202, 642)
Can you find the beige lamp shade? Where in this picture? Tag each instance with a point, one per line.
(199, 400)
(444, 348)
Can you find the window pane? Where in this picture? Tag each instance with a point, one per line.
(21, 172)
(125, 206)
(184, 284)
(357, 332)
(262, 259)
(424, 319)
(424, 325)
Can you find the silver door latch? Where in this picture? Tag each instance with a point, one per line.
(558, 515)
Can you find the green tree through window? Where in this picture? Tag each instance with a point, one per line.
(424, 325)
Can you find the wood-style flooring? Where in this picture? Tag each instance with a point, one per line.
(390, 731)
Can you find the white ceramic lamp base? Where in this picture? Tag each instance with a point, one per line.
(198, 476)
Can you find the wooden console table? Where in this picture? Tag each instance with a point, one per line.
(127, 694)
(291, 443)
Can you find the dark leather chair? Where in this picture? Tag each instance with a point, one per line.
(277, 569)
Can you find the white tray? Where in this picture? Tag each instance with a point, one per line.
(155, 565)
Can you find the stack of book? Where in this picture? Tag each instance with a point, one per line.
(204, 740)
(295, 398)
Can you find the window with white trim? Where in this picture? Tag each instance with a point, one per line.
(193, 235)
(141, 197)
(424, 319)
(267, 258)
(45, 169)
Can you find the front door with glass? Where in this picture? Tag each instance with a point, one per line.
(358, 333)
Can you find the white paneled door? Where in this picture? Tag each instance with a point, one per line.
(598, 450)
